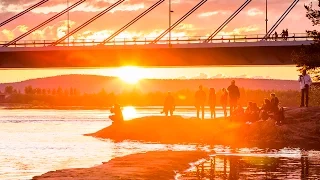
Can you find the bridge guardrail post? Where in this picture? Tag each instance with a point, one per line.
(34, 44)
(245, 38)
(234, 38)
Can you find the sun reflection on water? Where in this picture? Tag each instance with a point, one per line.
(129, 112)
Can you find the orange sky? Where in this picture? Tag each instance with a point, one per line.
(203, 22)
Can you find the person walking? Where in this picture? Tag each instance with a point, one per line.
(276, 36)
(212, 102)
(234, 95)
(200, 99)
(305, 83)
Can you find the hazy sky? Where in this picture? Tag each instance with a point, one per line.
(274, 72)
(203, 22)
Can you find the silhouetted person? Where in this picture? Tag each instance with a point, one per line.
(168, 105)
(224, 101)
(275, 36)
(274, 103)
(286, 34)
(117, 116)
(239, 113)
(283, 34)
(252, 112)
(234, 95)
(265, 109)
(200, 98)
(212, 102)
(305, 83)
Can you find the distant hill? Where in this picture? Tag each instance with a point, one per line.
(93, 83)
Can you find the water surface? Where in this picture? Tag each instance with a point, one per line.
(36, 141)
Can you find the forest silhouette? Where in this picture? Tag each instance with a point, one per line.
(98, 91)
(134, 97)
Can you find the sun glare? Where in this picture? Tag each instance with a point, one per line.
(130, 74)
(129, 112)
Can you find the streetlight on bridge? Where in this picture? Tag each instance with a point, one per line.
(266, 16)
(68, 24)
(170, 11)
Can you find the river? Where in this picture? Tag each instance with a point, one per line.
(36, 141)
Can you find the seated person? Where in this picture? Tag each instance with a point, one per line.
(265, 109)
(274, 103)
(239, 113)
(249, 108)
(255, 111)
(117, 116)
(266, 106)
(252, 112)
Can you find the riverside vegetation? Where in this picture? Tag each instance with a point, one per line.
(37, 97)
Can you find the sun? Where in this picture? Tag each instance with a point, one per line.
(130, 74)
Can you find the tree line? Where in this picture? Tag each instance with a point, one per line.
(135, 97)
(29, 90)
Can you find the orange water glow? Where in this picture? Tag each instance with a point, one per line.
(129, 112)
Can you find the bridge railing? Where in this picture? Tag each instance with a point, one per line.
(174, 40)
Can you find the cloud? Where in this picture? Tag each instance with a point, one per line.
(218, 76)
(241, 76)
(7, 34)
(201, 23)
(207, 14)
(211, 13)
(200, 76)
(59, 5)
(254, 12)
(240, 31)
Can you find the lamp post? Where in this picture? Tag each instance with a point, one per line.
(68, 22)
(266, 16)
(170, 11)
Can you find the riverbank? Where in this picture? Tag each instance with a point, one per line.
(150, 165)
(301, 131)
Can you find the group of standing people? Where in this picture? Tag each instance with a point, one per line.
(232, 92)
(284, 35)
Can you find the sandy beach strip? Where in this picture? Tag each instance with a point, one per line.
(301, 130)
(162, 165)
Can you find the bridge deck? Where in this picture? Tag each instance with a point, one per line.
(262, 52)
